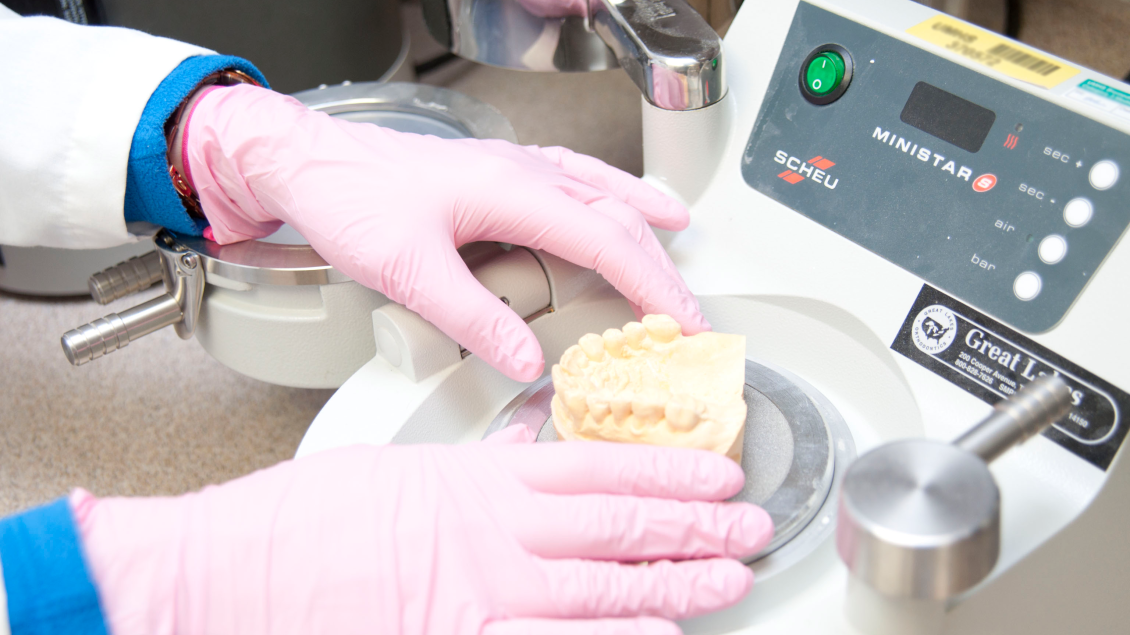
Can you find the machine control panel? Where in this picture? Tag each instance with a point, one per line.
(1003, 199)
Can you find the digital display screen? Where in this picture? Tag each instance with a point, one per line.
(948, 117)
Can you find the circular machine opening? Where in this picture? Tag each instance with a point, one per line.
(796, 450)
(408, 120)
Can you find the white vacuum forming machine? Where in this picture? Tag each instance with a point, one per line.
(910, 219)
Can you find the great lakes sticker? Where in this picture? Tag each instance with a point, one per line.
(991, 361)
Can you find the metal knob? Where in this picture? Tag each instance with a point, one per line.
(920, 519)
(125, 278)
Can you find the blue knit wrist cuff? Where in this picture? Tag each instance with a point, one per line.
(149, 190)
(49, 589)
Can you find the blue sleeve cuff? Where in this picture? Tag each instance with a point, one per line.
(149, 191)
(49, 588)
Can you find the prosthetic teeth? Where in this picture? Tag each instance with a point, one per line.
(615, 342)
(683, 412)
(647, 383)
(634, 333)
(621, 408)
(661, 328)
(593, 346)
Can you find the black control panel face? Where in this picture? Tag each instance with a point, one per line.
(1002, 199)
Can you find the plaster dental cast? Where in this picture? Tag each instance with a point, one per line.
(498, 537)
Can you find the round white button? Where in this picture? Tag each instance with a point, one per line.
(1052, 249)
(1104, 174)
(1027, 285)
(1078, 212)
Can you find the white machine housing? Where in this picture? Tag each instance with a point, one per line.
(827, 310)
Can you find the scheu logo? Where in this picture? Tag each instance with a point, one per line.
(815, 169)
(934, 329)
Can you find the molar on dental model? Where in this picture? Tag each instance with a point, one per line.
(648, 383)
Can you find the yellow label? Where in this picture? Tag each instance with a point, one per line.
(1001, 54)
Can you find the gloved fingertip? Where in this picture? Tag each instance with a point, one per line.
(703, 324)
(733, 579)
(741, 579)
(676, 218)
(673, 222)
(209, 234)
(721, 584)
(517, 354)
(696, 324)
(731, 477)
(637, 310)
(755, 530)
(523, 371)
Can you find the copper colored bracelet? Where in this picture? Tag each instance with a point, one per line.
(172, 124)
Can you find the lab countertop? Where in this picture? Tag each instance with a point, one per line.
(157, 417)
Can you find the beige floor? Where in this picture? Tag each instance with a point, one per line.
(163, 417)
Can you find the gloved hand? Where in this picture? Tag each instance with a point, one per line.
(492, 538)
(389, 210)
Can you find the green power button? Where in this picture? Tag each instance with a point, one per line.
(824, 73)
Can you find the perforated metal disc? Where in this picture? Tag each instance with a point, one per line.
(795, 451)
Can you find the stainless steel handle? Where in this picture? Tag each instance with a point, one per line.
(1018, 419)
(667, 48)
(183, 274)
(126, 278)
(117, 330)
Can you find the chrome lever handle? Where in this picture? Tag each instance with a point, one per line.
(183, 274)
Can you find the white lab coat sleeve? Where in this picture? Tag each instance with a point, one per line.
(72, 97)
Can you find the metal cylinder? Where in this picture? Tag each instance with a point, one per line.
(125, 278)
(919, 519)
(117, 330)
(1016, 420)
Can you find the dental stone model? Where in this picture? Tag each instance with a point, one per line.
(650, 384)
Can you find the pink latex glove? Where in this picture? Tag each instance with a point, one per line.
(491, 538)
(389, 210)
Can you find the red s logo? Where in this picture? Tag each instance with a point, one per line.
(984, 183)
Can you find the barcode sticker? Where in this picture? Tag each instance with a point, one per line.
(986, 48)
